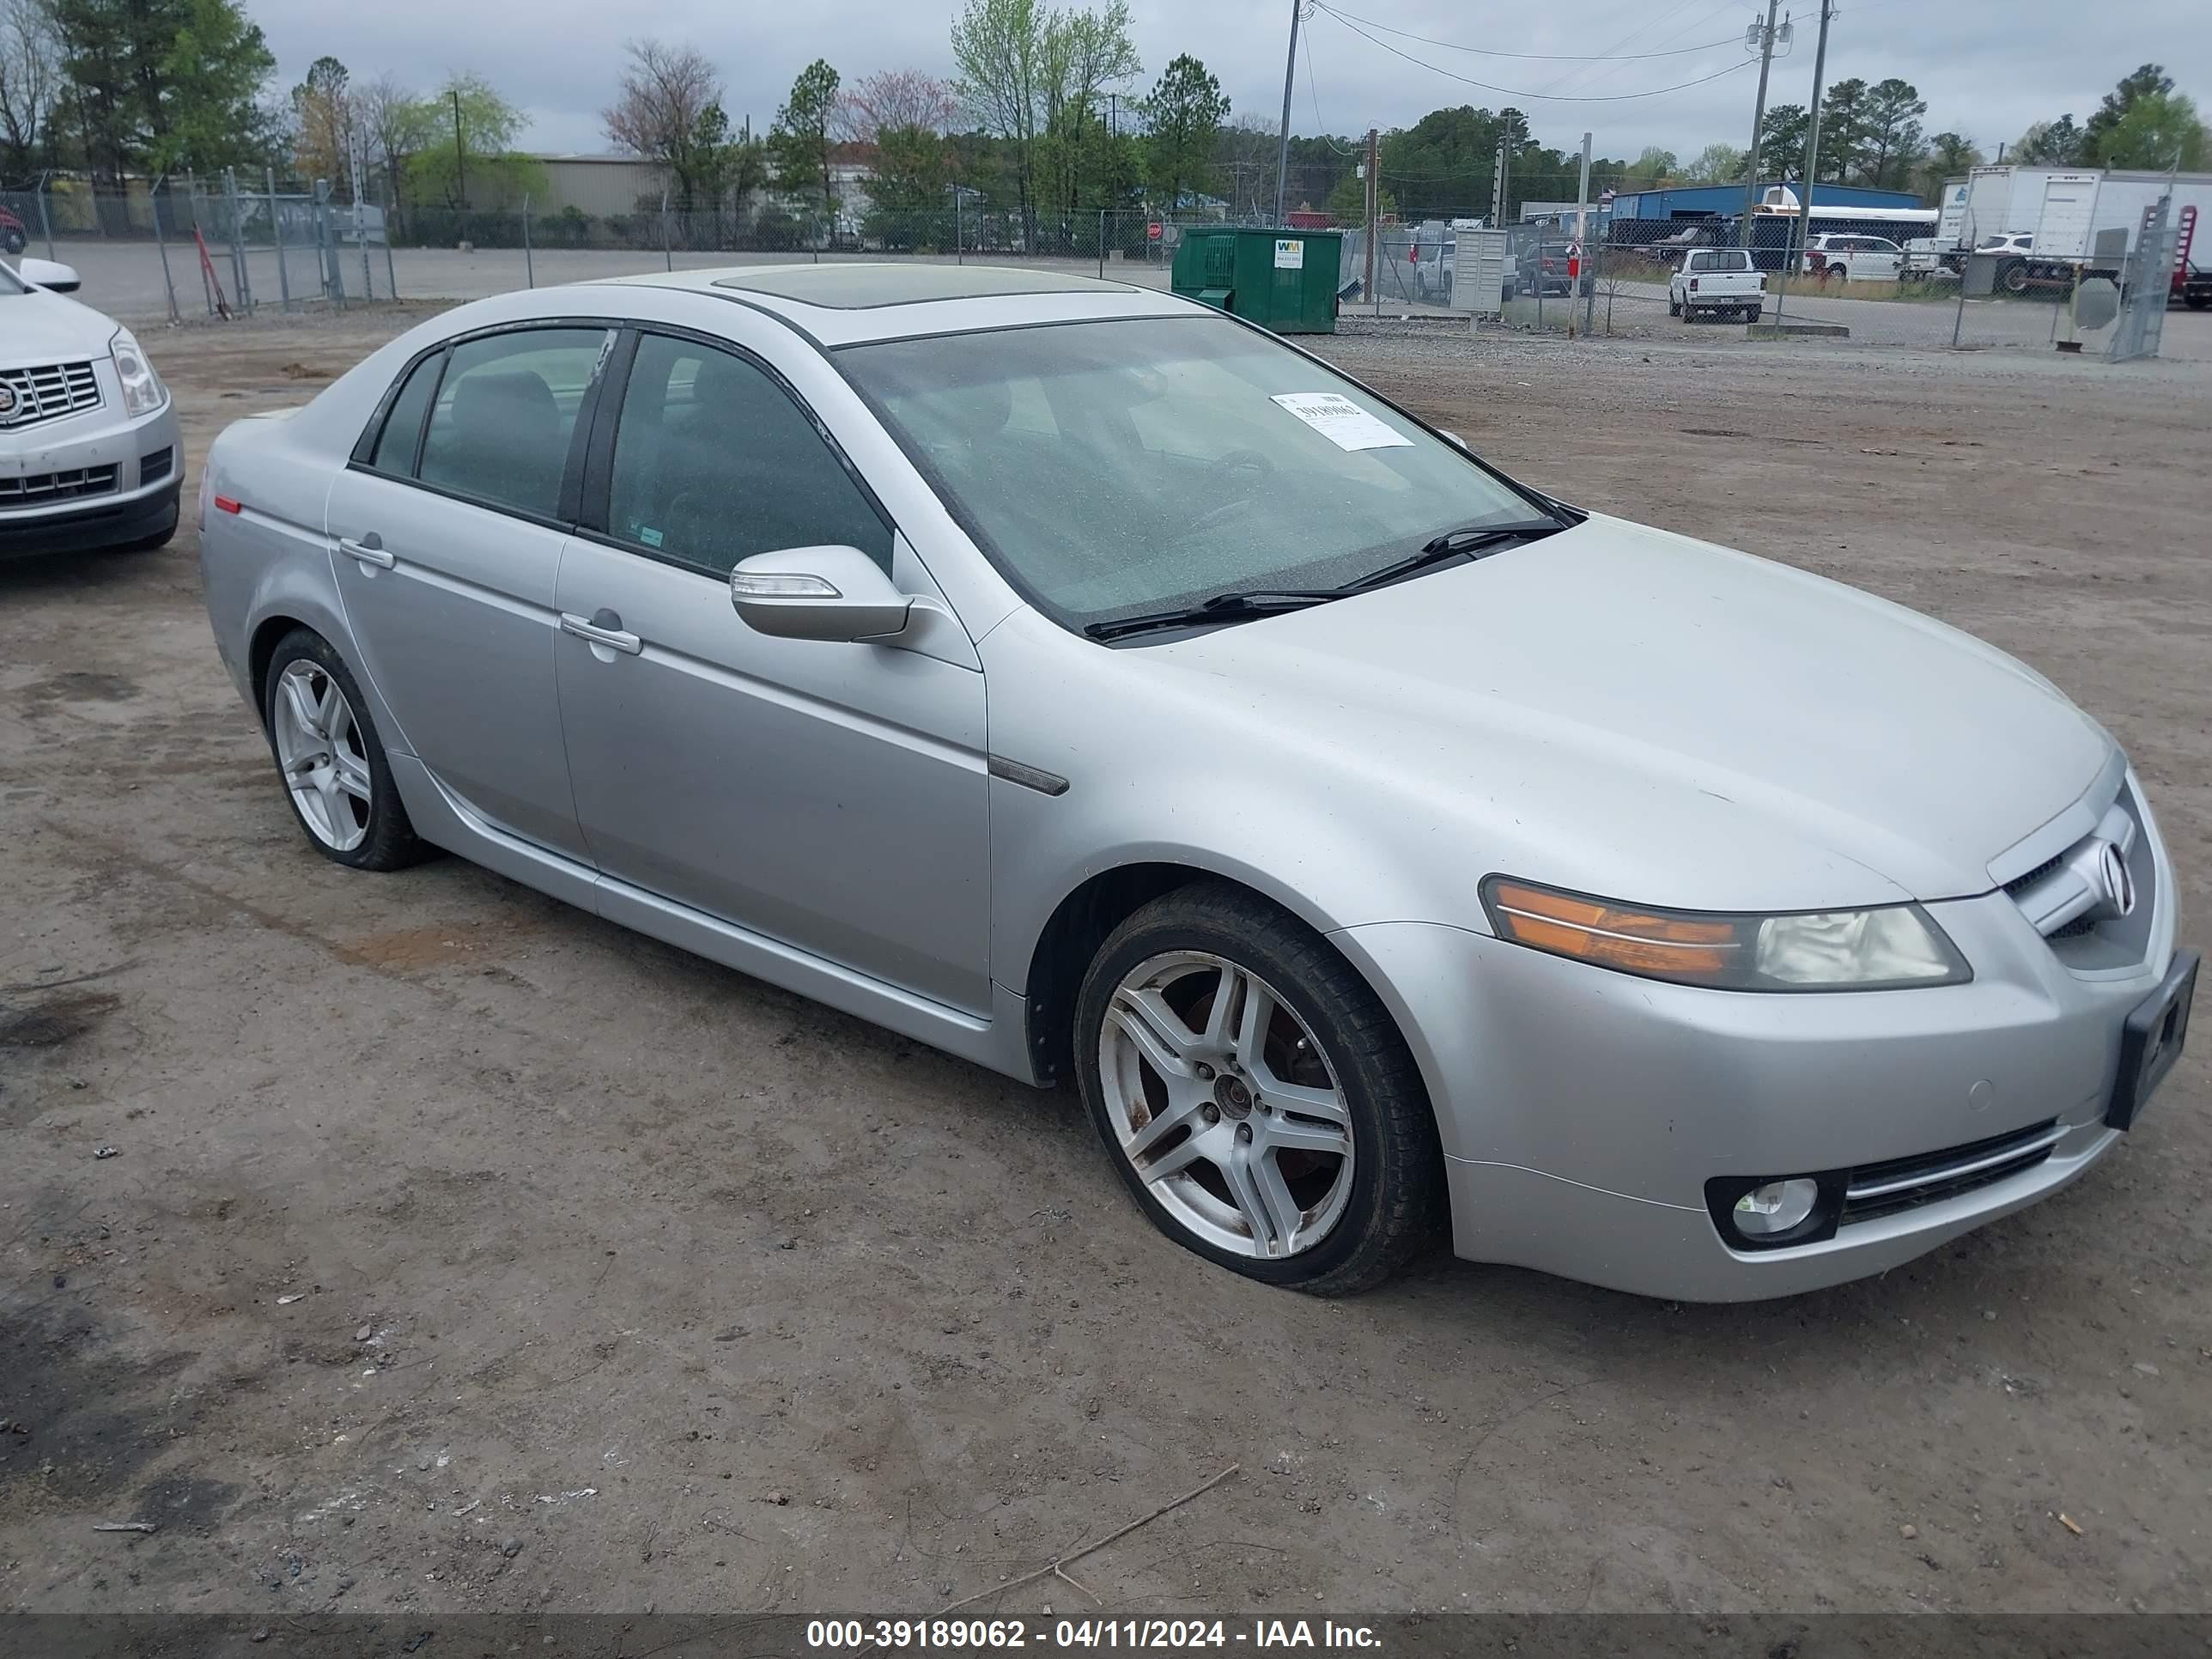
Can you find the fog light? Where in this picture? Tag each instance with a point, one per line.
(1776, 1207)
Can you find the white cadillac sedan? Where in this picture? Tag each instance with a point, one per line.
(1093, 685)
(89, 455)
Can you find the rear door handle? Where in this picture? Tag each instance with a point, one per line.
(369, 549)
(604, 628)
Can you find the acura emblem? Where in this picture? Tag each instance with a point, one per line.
(2115, 887)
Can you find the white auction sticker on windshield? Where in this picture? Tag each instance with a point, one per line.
(1341, 420)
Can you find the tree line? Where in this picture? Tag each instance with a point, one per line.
(1047, 118)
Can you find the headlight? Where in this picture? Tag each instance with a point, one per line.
(1895, 946)
(143, 392)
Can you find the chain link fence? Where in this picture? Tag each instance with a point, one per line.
(186, 246)
(190, 246)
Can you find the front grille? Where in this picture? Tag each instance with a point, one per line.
(2071, 901)
(47, 393)
(1903, 1183)
(41, 489)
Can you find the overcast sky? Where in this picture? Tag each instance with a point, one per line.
(1987, 68)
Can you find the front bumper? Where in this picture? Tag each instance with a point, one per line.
(1582, 1111)
(138, 506)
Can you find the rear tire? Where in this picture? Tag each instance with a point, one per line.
(1172, 1104)
(13, 241)
(1674, 307)
(314, 711)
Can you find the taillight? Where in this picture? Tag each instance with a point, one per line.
(1693, 285)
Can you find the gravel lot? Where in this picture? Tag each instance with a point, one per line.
(459, 1252)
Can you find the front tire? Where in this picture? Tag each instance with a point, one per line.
(1254, 1094)
(335, 775)
(13, 241)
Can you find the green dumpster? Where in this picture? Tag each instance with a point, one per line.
(1285, 280)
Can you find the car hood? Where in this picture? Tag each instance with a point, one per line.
(39, 328)
(1662, 720)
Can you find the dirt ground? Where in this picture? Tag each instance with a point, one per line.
(459, 1252)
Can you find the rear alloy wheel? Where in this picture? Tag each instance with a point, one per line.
(1255, 1096)
(333, 764)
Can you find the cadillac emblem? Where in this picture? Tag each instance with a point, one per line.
(7, 401)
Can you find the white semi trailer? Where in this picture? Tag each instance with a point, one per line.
(2062, 210)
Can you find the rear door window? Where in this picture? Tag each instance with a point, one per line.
(402, 428)
(506, 414)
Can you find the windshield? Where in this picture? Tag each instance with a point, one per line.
(1113, 468)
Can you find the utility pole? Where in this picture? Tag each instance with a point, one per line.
(1759, 115)
(1374, 195)
(1582, 245)
(461, 159)
(1791, 255)
(1283, 145)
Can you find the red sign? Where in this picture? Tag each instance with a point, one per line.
(1574, 261)
(1152, 231)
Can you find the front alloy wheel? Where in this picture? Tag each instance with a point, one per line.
(1224, 1107)
(1257, 1099)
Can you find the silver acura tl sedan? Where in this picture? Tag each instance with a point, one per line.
(1084, 681)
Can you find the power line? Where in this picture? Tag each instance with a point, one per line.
(1547, 57)
(1585, 74)
(1547, 97)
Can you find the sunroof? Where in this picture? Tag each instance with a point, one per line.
(861, 286)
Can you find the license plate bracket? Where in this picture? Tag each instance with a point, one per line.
(2151, 1040)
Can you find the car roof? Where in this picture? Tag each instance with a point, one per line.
(849, 302)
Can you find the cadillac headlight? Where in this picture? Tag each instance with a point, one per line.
(1890, 948)
(143, 390)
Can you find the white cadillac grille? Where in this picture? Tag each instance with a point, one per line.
(44, 488)
(47, 393)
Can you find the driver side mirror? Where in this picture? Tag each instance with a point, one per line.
(45, 274)
(817, 593)
(1453, 436)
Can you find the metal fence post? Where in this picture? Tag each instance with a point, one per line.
(162, 247)
(1102, 245)
(667, 245)
(529, 260)
(1959, 317)
(45, 218)
(241, 280)
(327, 244)
(277, 235)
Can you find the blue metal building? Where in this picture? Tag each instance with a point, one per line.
(1726, 201)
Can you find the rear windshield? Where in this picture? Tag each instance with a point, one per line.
(1733, 259)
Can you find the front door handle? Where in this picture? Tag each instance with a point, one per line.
(602, 626)
(369, 549)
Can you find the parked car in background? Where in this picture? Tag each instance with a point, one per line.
(1833, 257)
(1775, 939)
(1720, 281)
(2193, 286)
(1928, 259)
(14, 237)
(1543, 268)
(89, 447)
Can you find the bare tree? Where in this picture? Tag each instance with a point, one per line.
(893, 100)
(669, 110)
(30, 84)
(395, 125)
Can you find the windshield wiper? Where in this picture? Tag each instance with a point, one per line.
(1457, 544)
(1222, 607)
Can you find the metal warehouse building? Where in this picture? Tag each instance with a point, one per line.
(1726, 201)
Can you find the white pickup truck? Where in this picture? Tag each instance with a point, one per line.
(1715, 282)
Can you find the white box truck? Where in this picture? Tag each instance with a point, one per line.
(2044, 222)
